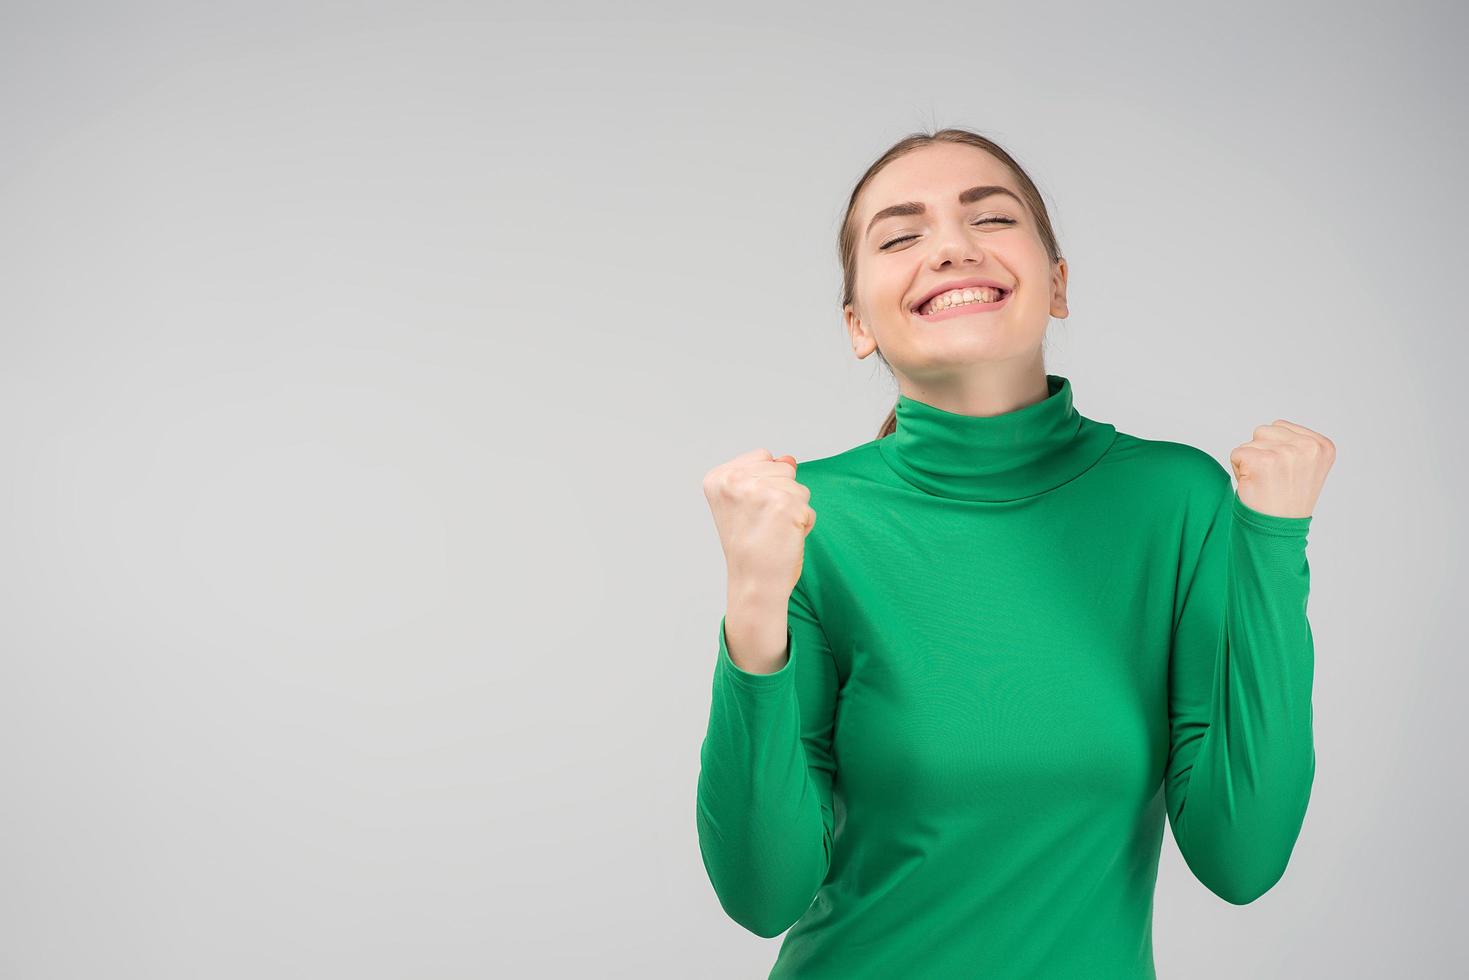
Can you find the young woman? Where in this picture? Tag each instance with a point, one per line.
(947, 720)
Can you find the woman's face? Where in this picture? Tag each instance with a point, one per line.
(904, 257)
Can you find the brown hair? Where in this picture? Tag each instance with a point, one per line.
(847, 238)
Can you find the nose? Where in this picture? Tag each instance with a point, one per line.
(954, 246)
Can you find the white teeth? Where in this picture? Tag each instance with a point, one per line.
(956, 297)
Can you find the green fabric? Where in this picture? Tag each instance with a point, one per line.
(1016, 642)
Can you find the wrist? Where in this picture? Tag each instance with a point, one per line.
(755, 595)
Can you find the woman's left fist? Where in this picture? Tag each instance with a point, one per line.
(1281, 470)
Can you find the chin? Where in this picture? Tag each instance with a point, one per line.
(958, 349)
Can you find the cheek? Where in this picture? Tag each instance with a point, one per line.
(882, 297)
(889, 288)
(1035, 265)
(1033, 270)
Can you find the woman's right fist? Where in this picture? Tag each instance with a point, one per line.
(763, 517)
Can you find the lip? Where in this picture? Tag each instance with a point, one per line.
(962, 284)
(964, 309)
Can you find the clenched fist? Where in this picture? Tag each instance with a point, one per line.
(1281, 470)
(763, 517)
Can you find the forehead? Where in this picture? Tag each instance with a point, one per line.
(933, 175)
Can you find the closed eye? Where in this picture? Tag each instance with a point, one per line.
(982, 221)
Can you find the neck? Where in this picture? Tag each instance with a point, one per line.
(1015, 454)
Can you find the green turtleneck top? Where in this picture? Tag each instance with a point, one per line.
(1016, 642)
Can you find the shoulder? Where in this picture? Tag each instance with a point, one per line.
(840, 473)
(1185, 470)
(838, 484)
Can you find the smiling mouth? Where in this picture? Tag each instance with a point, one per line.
(977, 300)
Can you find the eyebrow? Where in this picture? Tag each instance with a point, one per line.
(916, 207)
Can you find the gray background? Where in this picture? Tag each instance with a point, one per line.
(361, 362)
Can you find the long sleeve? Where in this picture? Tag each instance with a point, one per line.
(764, 803)
(1241, 754)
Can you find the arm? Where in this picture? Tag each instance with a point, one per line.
(764, 809)
(1241, 754)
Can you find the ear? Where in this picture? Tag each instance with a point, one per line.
(1058, 289)
(863, 342)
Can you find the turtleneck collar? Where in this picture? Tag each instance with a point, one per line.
(995, 457)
